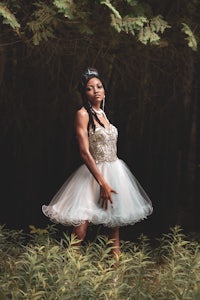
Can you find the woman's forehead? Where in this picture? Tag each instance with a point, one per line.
(93, 81)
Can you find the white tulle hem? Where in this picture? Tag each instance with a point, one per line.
(77, 200)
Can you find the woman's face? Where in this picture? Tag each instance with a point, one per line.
(94, 91)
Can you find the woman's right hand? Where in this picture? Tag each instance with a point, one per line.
(105, 195)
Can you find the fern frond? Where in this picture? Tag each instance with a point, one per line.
(43, 23)
(146, 30)
(192, 42)
(116, 23)
(157, 24)
(65, 7)
(9, 18)
(128, 24)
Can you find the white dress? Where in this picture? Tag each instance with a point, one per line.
(77, 200)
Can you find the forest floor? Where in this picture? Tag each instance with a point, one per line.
(39, 265)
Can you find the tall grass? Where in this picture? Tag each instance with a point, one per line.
(41, 266)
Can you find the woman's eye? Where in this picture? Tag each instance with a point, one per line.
(88, 89)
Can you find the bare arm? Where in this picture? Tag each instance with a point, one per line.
(81, 122)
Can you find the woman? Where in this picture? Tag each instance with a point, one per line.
(102, 190)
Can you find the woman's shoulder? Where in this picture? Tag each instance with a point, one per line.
(82, 111)
(82, 114)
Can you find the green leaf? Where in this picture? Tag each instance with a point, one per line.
(8, 17)
(192, 42)
(66, 7)
(158, 24)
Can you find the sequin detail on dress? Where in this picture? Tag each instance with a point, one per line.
(103, 143)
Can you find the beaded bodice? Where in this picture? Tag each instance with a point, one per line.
(103, 142)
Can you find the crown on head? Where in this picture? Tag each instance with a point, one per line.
(90, 72)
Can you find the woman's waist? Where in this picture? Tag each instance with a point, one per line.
(105, 159)
(104, 156)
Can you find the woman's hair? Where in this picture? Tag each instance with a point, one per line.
(86, 76)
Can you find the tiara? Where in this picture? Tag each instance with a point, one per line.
(91, 72)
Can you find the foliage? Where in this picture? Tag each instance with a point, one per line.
(52, 19)
(8, 17)
(44, 267)
(192, 42)
(66, 7)
(43, 23)
(146, 29)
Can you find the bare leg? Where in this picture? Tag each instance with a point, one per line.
(114, 235)
(80, 231)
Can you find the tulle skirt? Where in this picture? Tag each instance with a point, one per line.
(77, 200)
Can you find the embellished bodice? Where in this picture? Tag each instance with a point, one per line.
(103, 143)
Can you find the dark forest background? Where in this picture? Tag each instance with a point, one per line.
(148, 54)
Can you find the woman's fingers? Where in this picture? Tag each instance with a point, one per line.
(103, 202)
(113, 191)
(105, 196)
(103, 199)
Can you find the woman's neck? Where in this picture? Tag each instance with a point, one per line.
(99, 112)
(96, 107)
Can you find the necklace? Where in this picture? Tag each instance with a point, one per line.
(99, 112)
